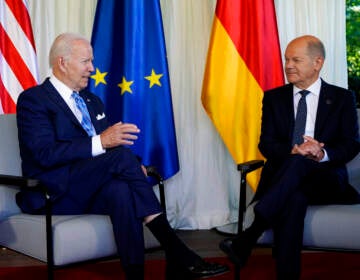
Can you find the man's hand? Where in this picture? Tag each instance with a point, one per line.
(144, 170)
(119, 134)
(311, 148)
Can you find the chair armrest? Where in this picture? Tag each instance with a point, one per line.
(18, 181)
(249, 166)
(244, 169)
(152, 171)
(22, 182)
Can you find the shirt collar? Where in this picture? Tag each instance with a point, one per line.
(62, 89)
(314, 88)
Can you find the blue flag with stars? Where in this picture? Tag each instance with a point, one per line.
(132, 79)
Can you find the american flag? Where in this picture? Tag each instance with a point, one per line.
(18, 65)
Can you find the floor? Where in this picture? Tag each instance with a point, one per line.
(204, 242)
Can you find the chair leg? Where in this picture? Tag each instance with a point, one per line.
(162, 194)
(49, 240)
(242, 208)
(50, 272)
(244, 169)
(237, 272)
(151, 171)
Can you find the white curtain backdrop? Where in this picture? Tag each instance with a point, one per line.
(204, 194)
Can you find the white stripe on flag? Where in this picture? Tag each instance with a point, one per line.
(24, 57)
(11, 83)
(16, 34)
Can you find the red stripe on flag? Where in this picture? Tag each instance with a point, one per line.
(15, 61)
(21, 14)
(251, 25)
(8, 105)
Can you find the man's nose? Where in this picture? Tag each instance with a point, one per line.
(91, 67)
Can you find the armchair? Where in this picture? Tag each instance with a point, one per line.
(57, 240)
(326, 227)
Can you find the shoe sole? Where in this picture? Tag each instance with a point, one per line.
(184, 275)
(212, 275)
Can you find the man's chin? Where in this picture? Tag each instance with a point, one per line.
(291, 78)
(85, 84)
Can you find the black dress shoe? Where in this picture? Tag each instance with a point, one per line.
(134, 272)
(201, 269)
(238, 249)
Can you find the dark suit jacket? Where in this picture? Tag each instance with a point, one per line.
(336, 126)
(51, 137)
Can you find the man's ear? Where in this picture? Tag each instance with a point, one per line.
(318, 63)
(61, 62)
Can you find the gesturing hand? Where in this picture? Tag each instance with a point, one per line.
(119, 134)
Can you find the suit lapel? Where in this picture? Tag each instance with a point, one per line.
(326, 101)
(288, 116)
(59, 101)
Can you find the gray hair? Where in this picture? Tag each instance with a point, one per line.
(316, 47)
(62, 46)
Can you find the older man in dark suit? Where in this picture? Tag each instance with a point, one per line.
(309, 132)
(66, 142)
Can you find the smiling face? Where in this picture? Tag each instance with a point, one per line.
(303, 63)
(77, 66)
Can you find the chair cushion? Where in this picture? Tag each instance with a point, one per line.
(353, 168)
(10, 163)
(76, 237)
(8, 205)
(330, 226)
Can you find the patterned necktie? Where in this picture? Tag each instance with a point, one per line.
(85, 121)
(300, 120)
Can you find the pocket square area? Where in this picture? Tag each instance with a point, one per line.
(99, 117)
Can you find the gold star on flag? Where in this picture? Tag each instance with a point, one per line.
(125, 85)
(154, 79)
(99, 77)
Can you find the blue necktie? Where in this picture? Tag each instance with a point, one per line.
(85, 121)
(300, 120)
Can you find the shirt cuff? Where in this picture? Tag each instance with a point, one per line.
(326, 157)
(96, 147)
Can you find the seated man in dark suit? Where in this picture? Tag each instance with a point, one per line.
(82, 160)
(309, 132)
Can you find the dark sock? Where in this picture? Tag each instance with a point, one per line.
(134, 272)
(250, 236)
(258, 226)
(175, 249)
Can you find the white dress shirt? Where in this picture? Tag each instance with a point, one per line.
(312, 101)
(65, 92)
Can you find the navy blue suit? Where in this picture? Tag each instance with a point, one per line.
(289, 183)
(57, 150)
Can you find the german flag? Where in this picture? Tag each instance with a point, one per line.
(244, 60)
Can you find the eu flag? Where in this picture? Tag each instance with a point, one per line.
(132, 77)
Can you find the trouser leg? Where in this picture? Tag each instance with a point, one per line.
(116, 200)
(113, 184)
(288, 237)
(320, 182)
(284, 206)
(88, 177)
(298, 183)
(288, 180)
